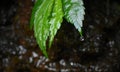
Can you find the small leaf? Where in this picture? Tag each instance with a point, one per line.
(56, 20)
(41, 23)
(74, 12)
(37, 4)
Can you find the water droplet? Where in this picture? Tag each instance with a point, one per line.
(82, 38)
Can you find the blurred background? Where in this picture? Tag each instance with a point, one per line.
(97, 51)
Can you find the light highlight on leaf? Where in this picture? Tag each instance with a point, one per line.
(56, 20)
(41, 24)
(74, 12)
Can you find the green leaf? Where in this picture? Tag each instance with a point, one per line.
(47, 16)
(41, 23)
(47, 19)
(74, 12)
(37, 4)
(56, 20)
